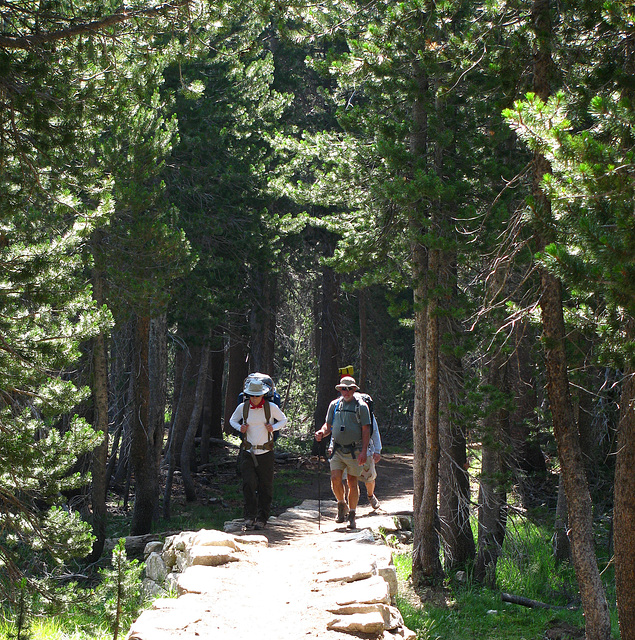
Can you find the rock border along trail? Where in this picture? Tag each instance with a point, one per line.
(304, 576)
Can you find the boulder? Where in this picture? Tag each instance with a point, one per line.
(213, 538)
(349, 573)
(156, 569)
(371, 623)
(209, 556)
(369, 591)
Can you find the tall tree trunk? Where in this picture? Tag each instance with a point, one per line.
(426, 565)
(328, 349)
(560, 540)
(492, 498)
(100, 477)
(624, 510)
(187, 451)
(454, 482)
(362, 301)
(418, 150)
(528, 460)
(580, 514)
(262, 321)
(147, 437)
(624, 488)
(237, 371)
(211, 420)
(420, 267)
(158, 354)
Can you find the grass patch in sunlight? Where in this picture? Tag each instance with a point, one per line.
(526, 568)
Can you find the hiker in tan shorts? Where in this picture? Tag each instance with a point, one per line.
(348, 420)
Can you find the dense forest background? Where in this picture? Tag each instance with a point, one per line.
(438, 193)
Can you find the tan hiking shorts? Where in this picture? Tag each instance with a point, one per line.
(343, 461)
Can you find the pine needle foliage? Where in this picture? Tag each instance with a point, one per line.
(120, 589)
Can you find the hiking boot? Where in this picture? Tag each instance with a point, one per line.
(342, 512)
(259, 524)
(374, 503)
(351, 520)
(248, 525)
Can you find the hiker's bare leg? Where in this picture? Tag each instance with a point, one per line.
(353, 492)
(336, 485)
(370, 488)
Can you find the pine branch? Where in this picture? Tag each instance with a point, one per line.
(94, 26)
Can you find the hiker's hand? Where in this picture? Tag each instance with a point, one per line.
(244, 427)
(319, 434)
(361, 458)
(376, 457)
(269, 427)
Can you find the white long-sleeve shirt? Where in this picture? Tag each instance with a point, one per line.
(257, 433)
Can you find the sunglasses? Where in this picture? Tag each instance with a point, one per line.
(348, 388)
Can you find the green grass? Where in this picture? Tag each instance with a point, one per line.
(526, 568)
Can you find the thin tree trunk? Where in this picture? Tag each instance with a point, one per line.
(492, 498)
(624, 511)
(236, 374)
(426, 566)
(187, 451)
(182, 364)
(143, 440)
(362, 301)
(418, 150)
(211, 420)
(579, 507)
(454, 482)
(560, 541)
(99, 486)
(262, 320)
(329, 349)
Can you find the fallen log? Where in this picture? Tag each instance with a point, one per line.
(528, 602)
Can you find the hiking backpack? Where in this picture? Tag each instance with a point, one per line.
(368, 400)
(272, 396)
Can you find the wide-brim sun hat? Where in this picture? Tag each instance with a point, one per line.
(256, 388)
(347, 381)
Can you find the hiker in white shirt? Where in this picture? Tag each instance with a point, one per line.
(257, 459)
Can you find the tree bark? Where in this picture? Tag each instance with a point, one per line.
(362, 301)
(328, 350)
(180, 410)
(420, 256)
(147, 438)
(187, 451)
(211, 420)
(454, 482)
(560, 541)
(237, 371)
(426, 565)
(492, 498)
(262, 321)
(580, 515)
(624, 511)
(420, 265)
(99, 486)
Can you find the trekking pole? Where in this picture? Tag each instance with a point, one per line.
(319, 483)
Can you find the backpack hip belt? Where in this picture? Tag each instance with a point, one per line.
(348, 448)
(249, 448)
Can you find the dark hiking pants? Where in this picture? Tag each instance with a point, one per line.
(257, 485)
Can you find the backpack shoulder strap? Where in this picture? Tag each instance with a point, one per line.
(267, 412)
(245, 410)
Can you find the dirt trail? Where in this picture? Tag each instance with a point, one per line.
(275, 591)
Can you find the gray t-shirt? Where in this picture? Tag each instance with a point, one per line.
(346, 420)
